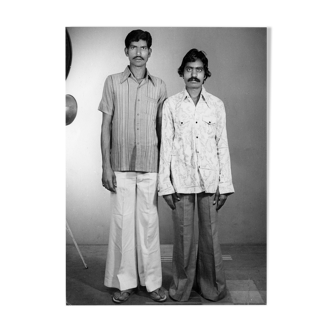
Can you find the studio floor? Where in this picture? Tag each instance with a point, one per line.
(245, 277)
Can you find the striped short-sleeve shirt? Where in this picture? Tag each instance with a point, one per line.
(136, 109)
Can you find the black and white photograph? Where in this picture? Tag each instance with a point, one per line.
(165, 202)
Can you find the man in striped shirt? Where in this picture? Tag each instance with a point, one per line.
(130, 138)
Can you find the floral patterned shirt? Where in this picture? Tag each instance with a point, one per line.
(194, 155)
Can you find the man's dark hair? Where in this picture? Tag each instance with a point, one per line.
(192, 56)
(136, 35)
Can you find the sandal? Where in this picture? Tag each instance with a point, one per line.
(122, 296)
(158, 295)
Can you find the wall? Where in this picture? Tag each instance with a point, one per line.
(237, 61)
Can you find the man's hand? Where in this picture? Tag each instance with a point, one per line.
(171, 199)
(219, 199)
(109, 180)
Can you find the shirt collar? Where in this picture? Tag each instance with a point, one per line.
(127, 72)
(204, 95)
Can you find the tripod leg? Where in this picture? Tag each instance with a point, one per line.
(78, 249)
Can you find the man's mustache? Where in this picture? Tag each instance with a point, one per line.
(194, 79)
(138, 57)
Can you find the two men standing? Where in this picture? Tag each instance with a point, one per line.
(194, 161)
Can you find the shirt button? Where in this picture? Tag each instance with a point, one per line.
(196, 121)
(196, 136)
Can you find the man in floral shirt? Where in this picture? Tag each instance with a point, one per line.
(195, 161)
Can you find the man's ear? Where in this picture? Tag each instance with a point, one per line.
(126, 51)
(150, 51)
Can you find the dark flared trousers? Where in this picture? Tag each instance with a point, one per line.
(207, 270)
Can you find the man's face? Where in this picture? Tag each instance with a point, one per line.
(138, 53)
(194, 74)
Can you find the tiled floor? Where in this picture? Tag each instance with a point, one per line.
(245, 277)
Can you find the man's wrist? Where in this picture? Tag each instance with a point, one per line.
(107, 168)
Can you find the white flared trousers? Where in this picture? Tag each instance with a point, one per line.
(133, 250)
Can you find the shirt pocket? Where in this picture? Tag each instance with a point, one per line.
(209, 125)
(182, 127)
(183, 123)
(151, 107)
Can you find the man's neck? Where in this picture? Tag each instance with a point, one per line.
(194, 94)
(138, 72)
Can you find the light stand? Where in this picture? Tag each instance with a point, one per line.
(70, 111)
(78, 249)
